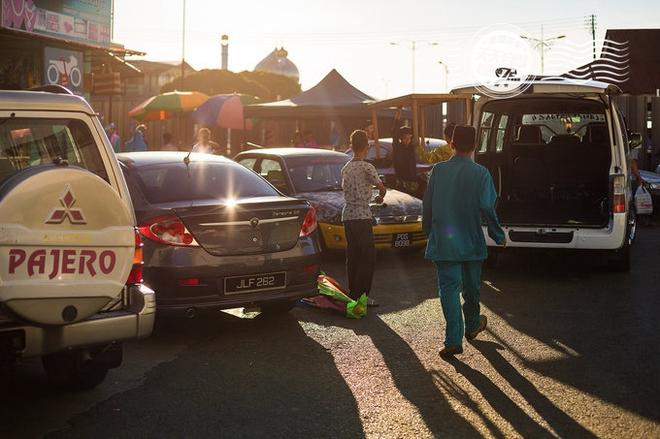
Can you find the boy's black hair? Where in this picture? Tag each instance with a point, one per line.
(404, 130)
(463, 138)
(359, 140)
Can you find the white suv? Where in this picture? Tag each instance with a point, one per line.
(559, 157)
(70, 258)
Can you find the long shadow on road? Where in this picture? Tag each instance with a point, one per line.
(603, 325)
(562, 424)
(411, 378)
(240, 378)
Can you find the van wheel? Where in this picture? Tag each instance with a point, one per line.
(619, 260)
(74, 371)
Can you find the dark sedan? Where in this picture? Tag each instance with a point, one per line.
(218, 236)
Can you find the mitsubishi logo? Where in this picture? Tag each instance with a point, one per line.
(59, 214)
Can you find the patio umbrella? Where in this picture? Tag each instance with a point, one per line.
(224, 111)
(166, 105)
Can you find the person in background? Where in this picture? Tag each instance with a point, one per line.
(115, 141)
(371, 132)
(167, 143)
(308, 140)
(205, 144)
(335, 136)
(358, 179)
(460, 192)
(138, 141)
(404, 157)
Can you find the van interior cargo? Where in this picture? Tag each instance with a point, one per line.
(550, 159)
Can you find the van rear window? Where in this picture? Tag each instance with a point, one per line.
(28, 142)
(564, 124)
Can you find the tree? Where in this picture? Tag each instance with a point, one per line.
(266, 86)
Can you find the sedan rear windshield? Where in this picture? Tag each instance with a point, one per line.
(310, 174)
(28, 142)
(173, 182)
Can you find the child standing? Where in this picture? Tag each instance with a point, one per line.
(358, 179)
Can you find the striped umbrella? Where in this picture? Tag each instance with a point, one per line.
(166, 105)
(224, 111)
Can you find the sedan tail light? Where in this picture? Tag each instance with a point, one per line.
(135, 276)
(309, 223)
(168, 230)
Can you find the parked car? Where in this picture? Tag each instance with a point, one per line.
(384, 164)
(558, 156)
(70, 258)
(315, 175)
(217, 236)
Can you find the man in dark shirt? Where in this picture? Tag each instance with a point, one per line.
(403, 153)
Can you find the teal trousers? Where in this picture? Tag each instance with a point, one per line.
(454, 278)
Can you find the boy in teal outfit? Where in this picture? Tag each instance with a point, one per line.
(459, 192)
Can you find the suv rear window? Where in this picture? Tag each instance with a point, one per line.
(172, 182)
(27, 142)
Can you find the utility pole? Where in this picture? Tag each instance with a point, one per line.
(444, 65)
(414, 44)
(592, 24)
(183, 47)
(542, 44)
(413, 50)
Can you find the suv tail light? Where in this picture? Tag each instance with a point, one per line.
(135, 276)
(309, 223)
(168, 230)
(619, 194)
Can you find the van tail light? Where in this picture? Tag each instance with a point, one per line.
(309, 223)
(619, 194)
(135, 276)
(168, 230)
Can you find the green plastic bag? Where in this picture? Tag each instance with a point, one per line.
(355, 309)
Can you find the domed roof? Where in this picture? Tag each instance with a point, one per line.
(277, 62)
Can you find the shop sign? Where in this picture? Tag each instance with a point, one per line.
(64, 67)
(87, 21)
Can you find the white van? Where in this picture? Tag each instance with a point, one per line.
(558, 154)
(70, 257)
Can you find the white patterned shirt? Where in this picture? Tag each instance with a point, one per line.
(358, 179)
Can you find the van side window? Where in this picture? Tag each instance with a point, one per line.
(501, 132)
(485, 127)
(26, 142)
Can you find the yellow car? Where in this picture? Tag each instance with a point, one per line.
(315, 175)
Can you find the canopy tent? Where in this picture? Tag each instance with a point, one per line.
(334, 96)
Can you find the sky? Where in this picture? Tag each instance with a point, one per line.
(370, 41)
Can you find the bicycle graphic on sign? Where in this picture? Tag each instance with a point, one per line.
(65, 73)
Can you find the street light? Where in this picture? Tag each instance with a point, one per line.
(444, 64)
(542, 44)
(183, 45)
(413, 47)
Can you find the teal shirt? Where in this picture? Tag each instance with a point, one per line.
(460, 192)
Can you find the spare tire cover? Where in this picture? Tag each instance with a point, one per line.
(67, 243)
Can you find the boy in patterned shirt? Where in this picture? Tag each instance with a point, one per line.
(358, 179)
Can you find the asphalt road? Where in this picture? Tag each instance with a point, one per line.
(571, 351)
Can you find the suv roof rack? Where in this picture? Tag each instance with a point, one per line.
(52, 88)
